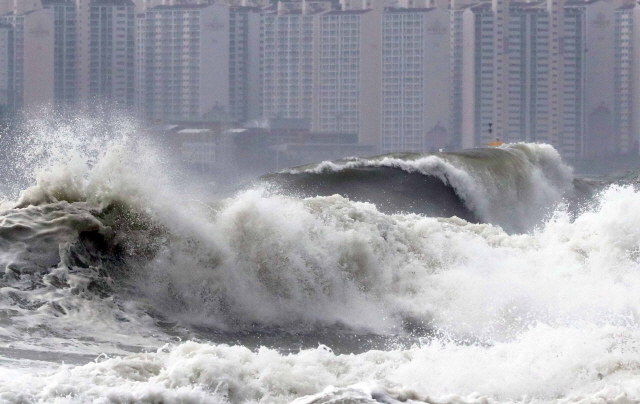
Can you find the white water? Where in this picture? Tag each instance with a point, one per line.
(549, 316)
(516, 194)
(566, 364)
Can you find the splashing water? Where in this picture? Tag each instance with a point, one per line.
(107, 250)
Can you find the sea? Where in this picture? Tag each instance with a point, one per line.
(483, 276)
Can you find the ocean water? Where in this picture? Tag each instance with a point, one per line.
(485, 276)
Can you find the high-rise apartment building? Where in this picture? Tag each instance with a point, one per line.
(456, 38)
(31, 57)
(183, 61)
(6, 63)
(111, 53)
(347, 96)
(241, 26)
(624, 135)
(626, 105)
(93, 50)
(415, 79)
(65, 70)
(501, 55)
(244, 63)
(611, 40)
(521, 80)
(288, 61)
(573, 89)
(477, 85)
(559, 131)
(378, 71)
(324, 66)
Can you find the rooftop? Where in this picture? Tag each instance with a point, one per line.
(111, 3)
(245, 8)
(54, 2)
(348, 12)
(180, 6)
(408, 10)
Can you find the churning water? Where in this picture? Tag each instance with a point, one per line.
(487, 276)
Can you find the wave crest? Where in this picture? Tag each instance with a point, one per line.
(515, 186)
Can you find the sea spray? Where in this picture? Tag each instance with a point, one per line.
(106, 252)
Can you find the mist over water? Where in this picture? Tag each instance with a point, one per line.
(485, 276)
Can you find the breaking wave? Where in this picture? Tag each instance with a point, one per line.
(110, 251)
(514, 186)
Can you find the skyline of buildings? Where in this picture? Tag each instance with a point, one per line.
(404, 76)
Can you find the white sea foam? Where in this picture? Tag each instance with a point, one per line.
(275, 260)
(544, 364)
(547, 316)
(280, 261)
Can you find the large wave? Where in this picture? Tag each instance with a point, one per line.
(106, 252)
(514, 186)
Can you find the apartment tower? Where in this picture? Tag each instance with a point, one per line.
(415, 79)
(65, 70)
(183, 61)
(517, 79)
(30, 51)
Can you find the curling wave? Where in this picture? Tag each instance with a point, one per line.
(514, 186)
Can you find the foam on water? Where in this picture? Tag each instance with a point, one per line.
(560, 365)
(104, 247)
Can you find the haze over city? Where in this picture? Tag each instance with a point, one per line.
(279, 83)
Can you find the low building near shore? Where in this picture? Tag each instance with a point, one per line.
(253, 150)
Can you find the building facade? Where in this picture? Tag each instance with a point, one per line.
(528, 85)
(65, 70)
(574, 86)
(477, 85)
(183, 61)
(610, 38)
(323, 65)
(111, 53)
(347, 99)
(288, 68)
(6, 64)
(30, 41)
(455, 78)
(415, 80)
(623, 96)
(244, 66)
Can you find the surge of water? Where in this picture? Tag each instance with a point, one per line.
(515, 186)
(105, 252)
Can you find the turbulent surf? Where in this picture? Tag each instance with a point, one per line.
(514, 187)
(485, 276)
